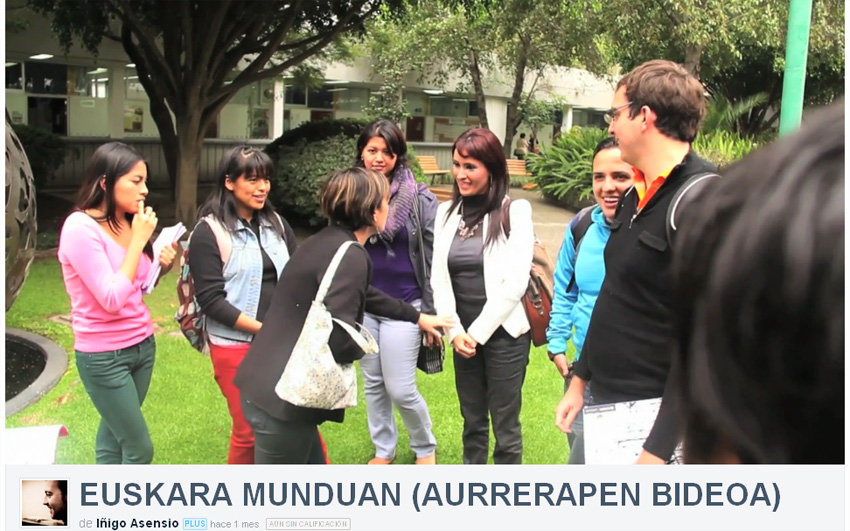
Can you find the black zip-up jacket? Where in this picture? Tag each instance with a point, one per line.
(627, 350)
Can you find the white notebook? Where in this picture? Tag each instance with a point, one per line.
(167, 236)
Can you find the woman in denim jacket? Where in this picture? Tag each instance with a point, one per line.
(235, 294)
(390, 377)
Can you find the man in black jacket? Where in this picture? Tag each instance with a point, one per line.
(656, 112)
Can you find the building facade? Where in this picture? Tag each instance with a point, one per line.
(88, 100)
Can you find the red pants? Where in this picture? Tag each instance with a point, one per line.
(226, 360)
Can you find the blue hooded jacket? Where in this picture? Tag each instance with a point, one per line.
(572, 309)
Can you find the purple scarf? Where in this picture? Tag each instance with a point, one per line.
(402, 189)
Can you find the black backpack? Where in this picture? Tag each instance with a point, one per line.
(578, 226)
(691, 188)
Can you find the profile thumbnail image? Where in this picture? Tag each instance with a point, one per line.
(44, 502)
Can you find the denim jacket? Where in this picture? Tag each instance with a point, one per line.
(243, 276)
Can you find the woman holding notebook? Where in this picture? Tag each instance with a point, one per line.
(106, 257)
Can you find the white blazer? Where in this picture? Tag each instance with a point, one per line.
(507, 266)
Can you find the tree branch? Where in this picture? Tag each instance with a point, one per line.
(158, 63)
(212, 32)
(247, 76)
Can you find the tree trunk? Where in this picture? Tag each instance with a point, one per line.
(693, 55)
(189, 144)
(475, 73)
(168, 140)
(511, 122)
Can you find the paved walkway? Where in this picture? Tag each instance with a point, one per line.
(550, 220)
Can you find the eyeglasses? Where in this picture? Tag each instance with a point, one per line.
(612, 113)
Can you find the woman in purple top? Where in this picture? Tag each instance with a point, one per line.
(390, 377)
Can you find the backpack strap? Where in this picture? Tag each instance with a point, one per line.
(691, 188)
(222, 238)
(579, 226)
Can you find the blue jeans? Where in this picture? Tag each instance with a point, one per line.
(576, 438)
(117, 382)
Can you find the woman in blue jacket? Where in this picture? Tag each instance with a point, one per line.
(579, 275)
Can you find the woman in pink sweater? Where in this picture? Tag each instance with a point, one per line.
(106, 256)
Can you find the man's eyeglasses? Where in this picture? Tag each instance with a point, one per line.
(612, 113)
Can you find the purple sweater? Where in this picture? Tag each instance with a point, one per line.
(394, 275)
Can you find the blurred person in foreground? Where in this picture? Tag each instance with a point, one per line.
(760, 305)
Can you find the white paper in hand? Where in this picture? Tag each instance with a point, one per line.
(167, 236)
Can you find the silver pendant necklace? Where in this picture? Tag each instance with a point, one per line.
(464, 232)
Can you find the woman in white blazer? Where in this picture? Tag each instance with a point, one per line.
(479, 277)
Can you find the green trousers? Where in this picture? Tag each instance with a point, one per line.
(117, 382)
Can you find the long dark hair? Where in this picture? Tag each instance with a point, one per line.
(241, 161)
(391, 134)
(109, 162)
(484, 146)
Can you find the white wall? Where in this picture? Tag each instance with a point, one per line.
(16, 103)
(88, 116)
(233, 121)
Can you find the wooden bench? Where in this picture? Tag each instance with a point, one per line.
(516, 168)
(428, 164)
(442, 194)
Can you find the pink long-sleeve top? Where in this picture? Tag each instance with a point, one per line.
(107, 310)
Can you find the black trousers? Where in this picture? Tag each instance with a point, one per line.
(491, 383)
(282, 442)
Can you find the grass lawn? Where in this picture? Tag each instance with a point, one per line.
(187, 414)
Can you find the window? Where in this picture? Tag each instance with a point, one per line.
(448, 106)
(45, 78)
(589, 118)
(321, 98)
(49, 114)
(294, 95)
(88, 81)
(351, 98)
(14, 76)
(133, 89)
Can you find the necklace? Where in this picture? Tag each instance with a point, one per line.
(464, 232)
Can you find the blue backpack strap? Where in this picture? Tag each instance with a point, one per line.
(578, 226)
(685, 195)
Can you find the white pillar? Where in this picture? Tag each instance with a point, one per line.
(277, 109)
(567, 124)
(115, 99)
(497, 115)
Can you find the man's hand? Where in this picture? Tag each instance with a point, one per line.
(560, 361)
(569, 406)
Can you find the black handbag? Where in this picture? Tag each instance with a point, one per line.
(431, 358)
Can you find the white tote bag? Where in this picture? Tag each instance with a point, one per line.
(312, 378)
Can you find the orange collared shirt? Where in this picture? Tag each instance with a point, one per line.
(640, 187)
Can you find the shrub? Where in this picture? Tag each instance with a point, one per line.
(311, 132)
(415, 167)
(301, 171)
(562, 171)
(722, 147)
(45, 151)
